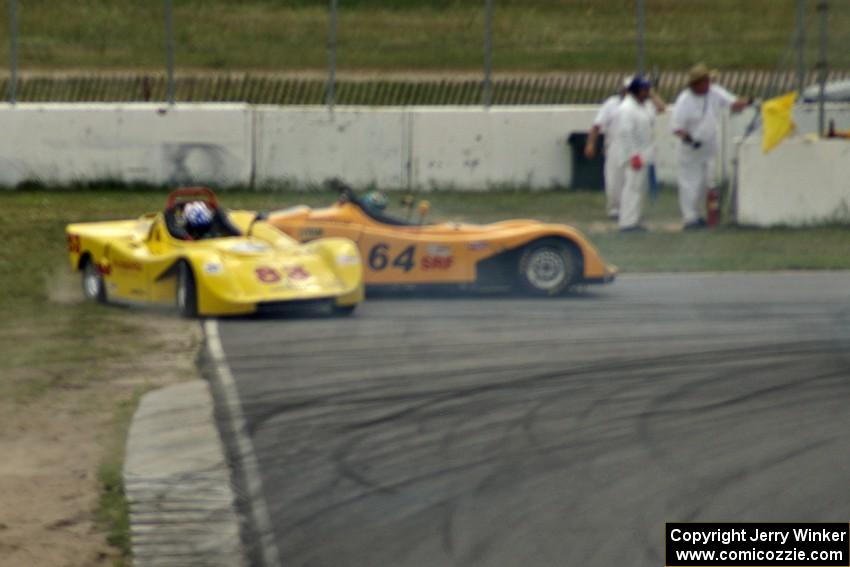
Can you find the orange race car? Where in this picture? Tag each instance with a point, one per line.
(534, 257)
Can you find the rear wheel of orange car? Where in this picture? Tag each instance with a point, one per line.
(94, 287)
(187, 295)
(548, 267)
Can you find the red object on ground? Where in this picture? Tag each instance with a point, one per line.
(712, 205)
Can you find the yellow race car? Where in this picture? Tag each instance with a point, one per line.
(534, 257)
(211, 262)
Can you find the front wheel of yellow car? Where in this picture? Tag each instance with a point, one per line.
(187, 295)
(548, 267)
(94, 288)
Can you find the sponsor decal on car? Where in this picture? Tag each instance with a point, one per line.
(437, 262)
(477, 245)
(129, 266)
(249, 247)
(438, 250)
(347, 260)
(213, 268)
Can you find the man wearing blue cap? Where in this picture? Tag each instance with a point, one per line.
(606, 123)
(637, 142)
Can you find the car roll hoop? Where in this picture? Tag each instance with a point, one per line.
(184, 194)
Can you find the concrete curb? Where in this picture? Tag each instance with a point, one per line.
(178, 484)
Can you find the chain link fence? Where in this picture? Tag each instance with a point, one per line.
(377, 52)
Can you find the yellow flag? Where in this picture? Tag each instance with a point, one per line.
(776, 119)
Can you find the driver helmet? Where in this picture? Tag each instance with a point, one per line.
(375, 200)
(198, 214)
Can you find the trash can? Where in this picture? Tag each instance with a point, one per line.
(587, 173)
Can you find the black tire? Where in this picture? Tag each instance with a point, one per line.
(94, 288)
(186, 292)
(548, 267)
(342, 310)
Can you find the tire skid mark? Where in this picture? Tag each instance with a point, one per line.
(455, 427)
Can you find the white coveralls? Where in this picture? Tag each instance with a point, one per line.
(606, 121)
(699, 116)
(635, 125)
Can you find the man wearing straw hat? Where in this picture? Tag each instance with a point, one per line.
(696, 122)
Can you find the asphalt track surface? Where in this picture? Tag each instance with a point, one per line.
(502, 431)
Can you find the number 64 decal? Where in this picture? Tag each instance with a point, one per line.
(379, 258)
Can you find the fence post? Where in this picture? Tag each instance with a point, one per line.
(801, 46)
(169, 50)
(330, 92)
(641, 46)
(823, 11)
(13, 51)
(487, 93)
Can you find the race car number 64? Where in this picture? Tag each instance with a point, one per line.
(379, 258)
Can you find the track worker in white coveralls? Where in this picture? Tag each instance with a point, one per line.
(614, 174)
(635, 136)
(606, 123)
(696, 122)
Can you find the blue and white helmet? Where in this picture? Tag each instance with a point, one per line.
(197, 214)
(375, 200)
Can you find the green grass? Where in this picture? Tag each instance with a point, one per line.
(728, 249)
(541, 35)
(37, 220)
(113, 511)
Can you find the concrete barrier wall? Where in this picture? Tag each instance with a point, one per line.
(307, 145)
(464, 148)
(496, 147)
(437, 147)
(422, 147)
(799, 183)
(56, 143)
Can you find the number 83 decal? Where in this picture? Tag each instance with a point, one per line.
(270, 275)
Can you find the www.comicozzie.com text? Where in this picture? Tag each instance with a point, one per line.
(780, 536)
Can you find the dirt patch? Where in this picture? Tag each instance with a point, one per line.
(54, 436)
(63, 286)
(48, 479)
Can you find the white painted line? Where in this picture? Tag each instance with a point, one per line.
(246, 458)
